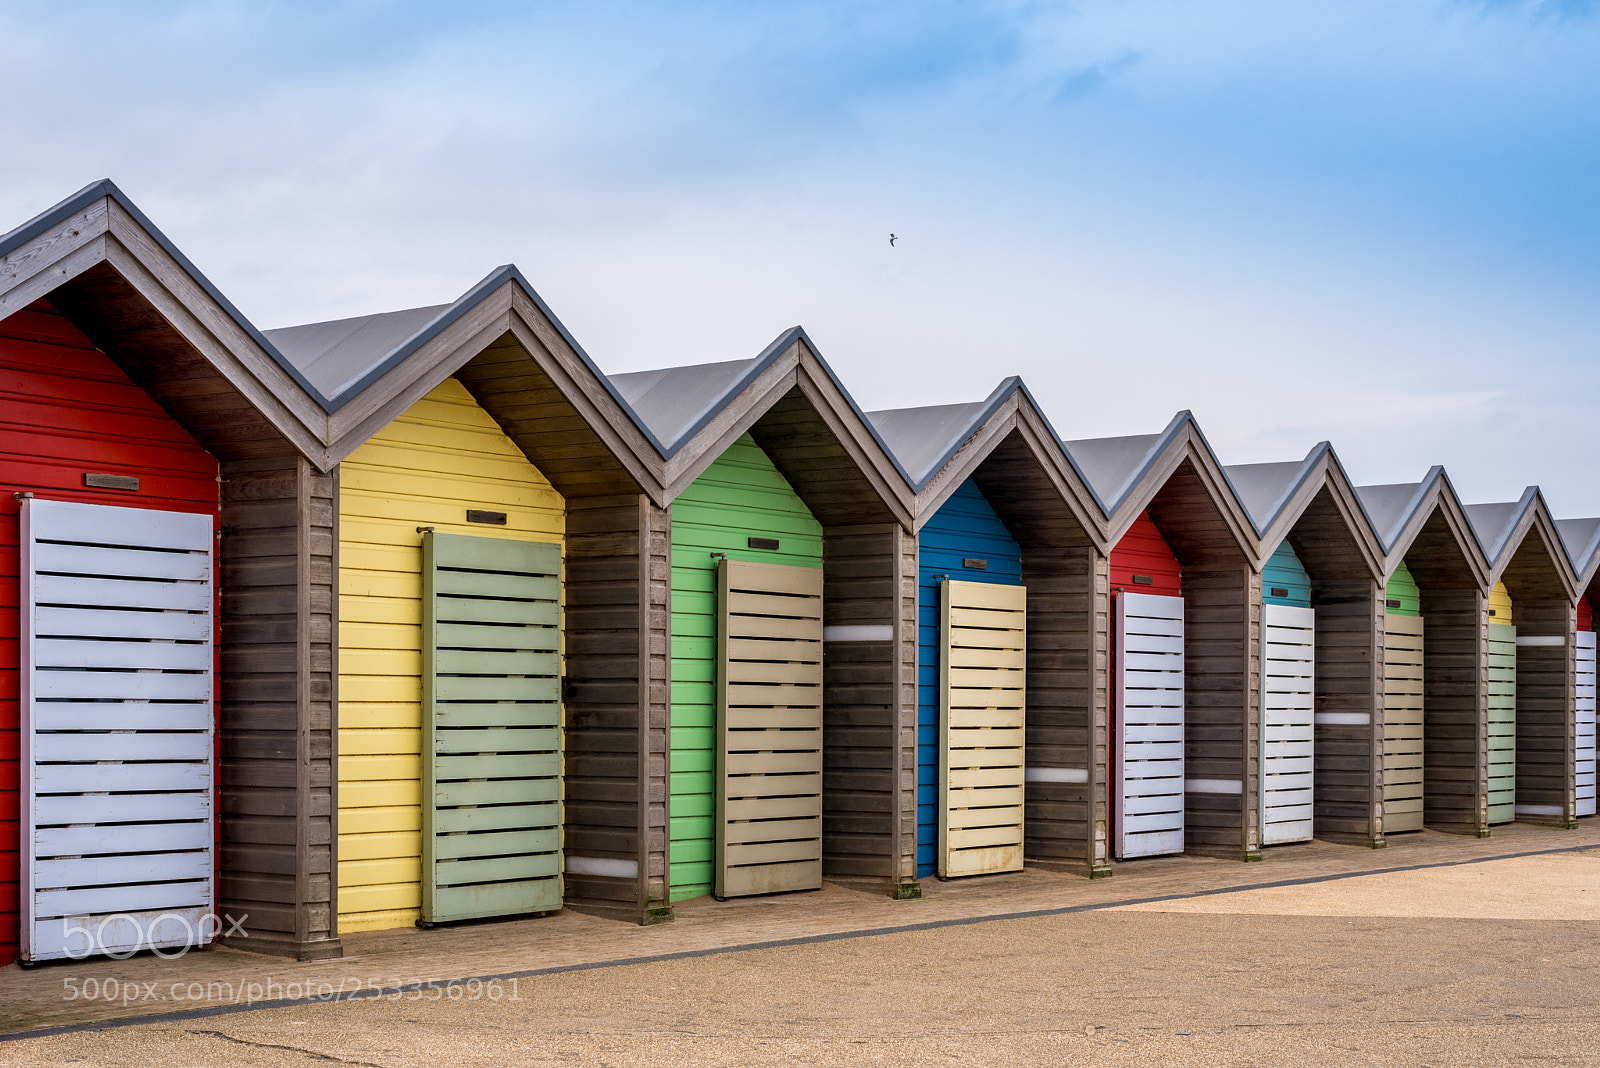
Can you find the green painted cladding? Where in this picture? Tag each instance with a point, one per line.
(1283, 580)
(741, 496)
(1402, 597)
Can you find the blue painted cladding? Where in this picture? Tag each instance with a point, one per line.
(966, 527)
(1283, 571)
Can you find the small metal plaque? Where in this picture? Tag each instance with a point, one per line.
(1391, 603)
(1144, 580)
(975, 565)
(762, 543)
(1280, 591)
(116, 482)
(1491, 611)
(475, 515)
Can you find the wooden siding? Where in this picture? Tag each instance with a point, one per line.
(739, 497)
(1283, 580)
(1222, 628)
(1546, 744)
(1455, 708)
(69, 410)
(1066, 816)
(869, 708)
(1349, 708)
(427, 468)
(279, 661)
(965, 529)
(618, 579)
(1585, 614)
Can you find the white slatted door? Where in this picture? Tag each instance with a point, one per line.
(1288, 671)
(1586, 725)
(769, 729)
(1148, 778)
(982, 695)
(1402, 724)
(117, 651)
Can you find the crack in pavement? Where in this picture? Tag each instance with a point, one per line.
(291, 1049)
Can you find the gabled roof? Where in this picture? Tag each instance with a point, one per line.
(1279, 497)
(1004, 440)
(110, 270)
(800, 414)
(510, 351)
(1126, 474)
(1505, 528)
(1401, 512)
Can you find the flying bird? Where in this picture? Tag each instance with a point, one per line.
(891, 240)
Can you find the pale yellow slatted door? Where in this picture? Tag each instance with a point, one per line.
(1402, 724)
(769, 729)
(982, 697)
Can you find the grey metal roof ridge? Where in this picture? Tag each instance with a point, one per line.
(105, 187)
(1584, 564)
(1125, 487)
(996, 398)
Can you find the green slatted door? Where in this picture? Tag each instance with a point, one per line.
(982, 697)
(491, 835)
(1502, 723)
(769, 729)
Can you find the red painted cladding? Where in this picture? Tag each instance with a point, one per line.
(67, 410)
(1585, 614)
(1143, 552)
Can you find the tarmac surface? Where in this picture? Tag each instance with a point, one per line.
(1466, 953)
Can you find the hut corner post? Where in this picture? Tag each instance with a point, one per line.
(1348, 779)
(869, 822)
(618, 611)
(277, 710)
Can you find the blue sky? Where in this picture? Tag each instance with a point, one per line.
(1372, 222)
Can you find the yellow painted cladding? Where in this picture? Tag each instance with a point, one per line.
(1500, 605)
(445, 455)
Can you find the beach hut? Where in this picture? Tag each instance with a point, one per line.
(1436, 609)
(1322, 569)
(1582, 540)
(793, 640)
(493, 494)
(1532, 662)
(1185, 645)
(163, 514)
(1009, 546)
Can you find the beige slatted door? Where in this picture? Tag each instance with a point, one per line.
(769, 729)
(1402, 724)
(982, 697)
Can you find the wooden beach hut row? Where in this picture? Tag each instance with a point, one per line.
(419, 617)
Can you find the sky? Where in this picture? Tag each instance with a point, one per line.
(1375, 222)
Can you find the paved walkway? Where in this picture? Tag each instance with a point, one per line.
(221, 980)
